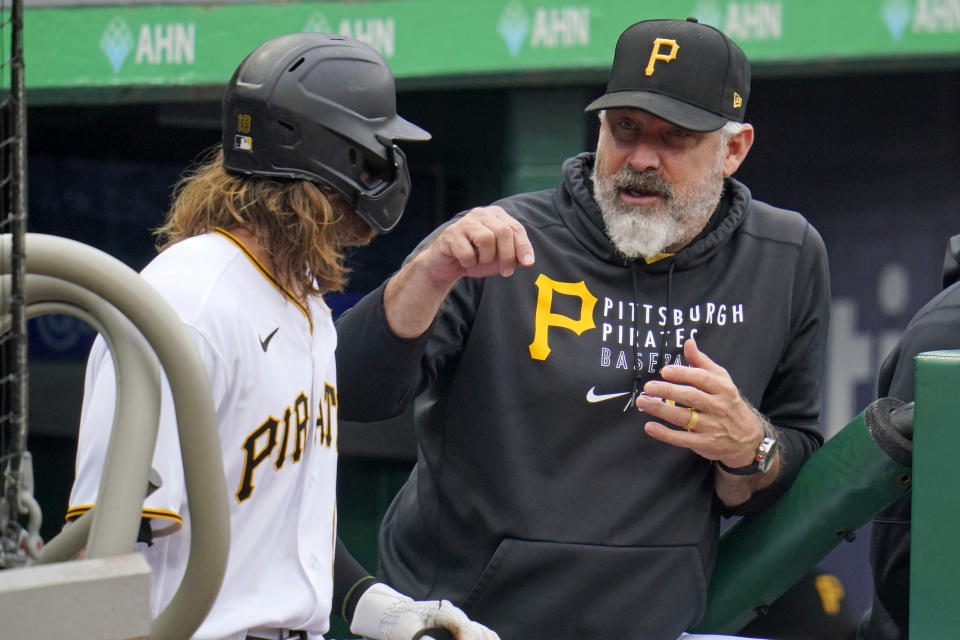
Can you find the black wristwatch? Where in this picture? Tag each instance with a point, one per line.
(762, 460)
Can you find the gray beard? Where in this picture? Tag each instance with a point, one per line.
(646, 231)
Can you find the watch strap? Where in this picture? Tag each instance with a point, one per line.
(748, 470)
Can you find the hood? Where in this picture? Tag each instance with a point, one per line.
(580, 213)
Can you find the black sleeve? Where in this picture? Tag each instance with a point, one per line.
(935, 329)
(350, 580)
(791, 401)
(795, 447)
(378, 373)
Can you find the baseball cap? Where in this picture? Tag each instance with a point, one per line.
(682, 71)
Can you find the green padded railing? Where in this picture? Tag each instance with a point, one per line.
(840, 488)
(934, 556)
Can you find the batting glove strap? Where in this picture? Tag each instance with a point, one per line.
(385, 614)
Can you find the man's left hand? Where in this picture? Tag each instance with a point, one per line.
(715, 421)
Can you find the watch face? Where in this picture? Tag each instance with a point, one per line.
(766, 453)
(762, 460)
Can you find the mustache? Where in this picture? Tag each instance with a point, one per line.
(647, 182)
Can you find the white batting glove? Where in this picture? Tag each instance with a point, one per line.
(385, 614)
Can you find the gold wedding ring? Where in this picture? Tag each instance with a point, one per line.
(692, 422)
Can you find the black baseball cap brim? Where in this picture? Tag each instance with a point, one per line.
(664, 107)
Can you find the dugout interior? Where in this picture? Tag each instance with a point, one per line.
(871, 157)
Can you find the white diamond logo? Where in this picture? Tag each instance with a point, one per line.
(896, 14)
(116, 42)
(513, 27)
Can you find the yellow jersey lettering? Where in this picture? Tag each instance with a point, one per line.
(318, 426)
(302, 414)
(261, 443)
(656, 55)
(282, 455)
(330, 397)
(252, 457)
(545, 318)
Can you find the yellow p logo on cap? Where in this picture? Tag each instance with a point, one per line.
(655, 54)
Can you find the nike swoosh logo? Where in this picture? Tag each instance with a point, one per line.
(600, 397)
(265, 342)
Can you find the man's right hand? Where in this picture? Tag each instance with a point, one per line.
(485, 242)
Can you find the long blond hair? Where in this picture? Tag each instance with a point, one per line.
(303, 230)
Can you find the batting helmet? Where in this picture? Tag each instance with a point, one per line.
(321, 107)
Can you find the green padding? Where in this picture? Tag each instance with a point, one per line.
(935, 563)
(840, 488)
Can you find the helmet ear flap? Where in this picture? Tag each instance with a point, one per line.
(382, 208)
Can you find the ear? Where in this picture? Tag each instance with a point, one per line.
(737, 149)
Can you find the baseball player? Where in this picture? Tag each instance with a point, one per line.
(308, 166)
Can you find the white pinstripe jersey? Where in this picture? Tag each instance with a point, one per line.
(270, 361)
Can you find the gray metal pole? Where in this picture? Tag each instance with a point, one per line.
(200, 443)
(134, 433)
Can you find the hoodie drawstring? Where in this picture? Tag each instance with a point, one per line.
(636, 338)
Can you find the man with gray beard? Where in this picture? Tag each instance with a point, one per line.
(577, 445)
(640, 231)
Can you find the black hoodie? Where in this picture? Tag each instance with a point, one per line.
(538, 503)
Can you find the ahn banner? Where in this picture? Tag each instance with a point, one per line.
(189, 45)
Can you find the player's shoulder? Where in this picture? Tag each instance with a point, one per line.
(188, 272)
(201, 256)
(207, 249)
